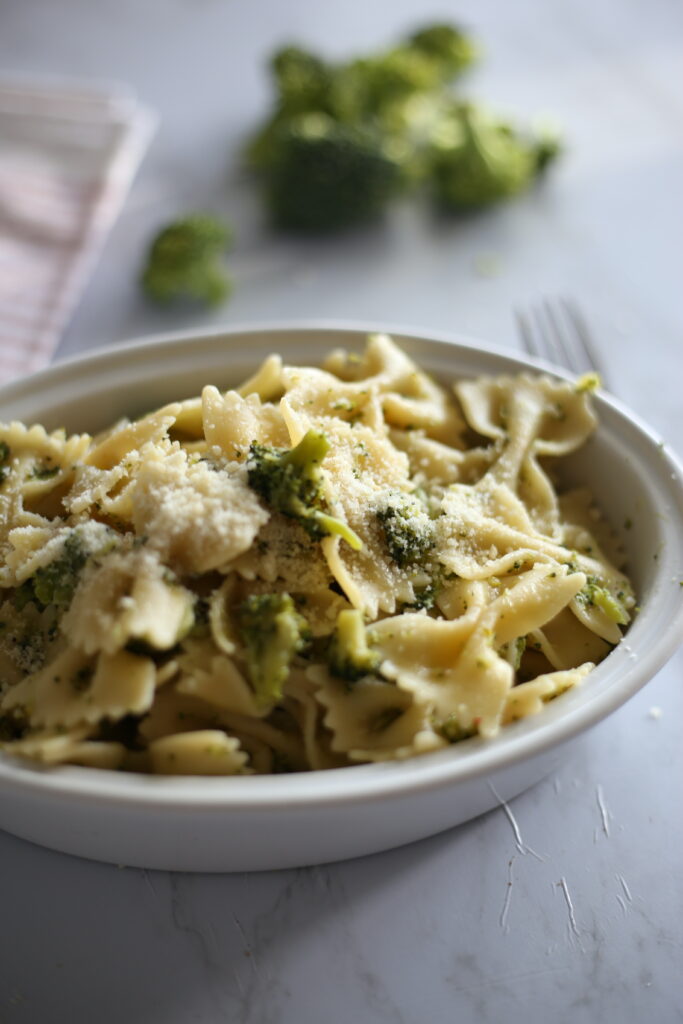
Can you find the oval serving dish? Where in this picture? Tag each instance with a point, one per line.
(264, 822)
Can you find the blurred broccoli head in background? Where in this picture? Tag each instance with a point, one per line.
(446, 46)
(304, 82)
(185, 261)
(477, 159)
(343, 137)
(326, 176)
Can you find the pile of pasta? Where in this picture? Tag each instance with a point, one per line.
(126, 556)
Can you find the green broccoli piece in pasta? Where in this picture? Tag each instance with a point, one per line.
(184, 261)
(478, 160)
(290, 481)
(56, 582)
(272, 632)
(599, 596)
(408, 528)
(5, 457)
(349, 655)
(326, 176)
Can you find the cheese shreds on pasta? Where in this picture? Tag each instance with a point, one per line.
(323, 567)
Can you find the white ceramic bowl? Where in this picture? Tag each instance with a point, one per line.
(261, 822)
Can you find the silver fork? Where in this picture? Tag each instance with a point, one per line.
(557, 332)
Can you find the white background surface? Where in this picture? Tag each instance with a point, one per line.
(464, 926)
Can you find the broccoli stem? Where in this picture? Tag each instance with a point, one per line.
(272, 632)
(349, 655)
(291, 483)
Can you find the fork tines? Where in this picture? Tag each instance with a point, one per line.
(557, 331)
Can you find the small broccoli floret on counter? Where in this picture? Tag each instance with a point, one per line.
(325, 176)
(408, 528)
(290, 482)
(272, 632)
(478, 160)
(446, 45)
(349, 655)
(184, 262)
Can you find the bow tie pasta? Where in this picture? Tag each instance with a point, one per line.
(323, 567)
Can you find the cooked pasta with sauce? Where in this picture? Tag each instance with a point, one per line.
(323, 567)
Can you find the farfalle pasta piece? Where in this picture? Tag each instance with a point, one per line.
(321, 396)
(126, 437)
(565, 638)
(433, 463)
(528, 418)
(317, 738)
(36, 470)
(373, 720)
(107, 492)
(233, 422)
(204, 752)
(74, 689)
(529, 698)
(450, 669)
(128, 596)
(215, 679)
(266, 382)
(409, 397)
(73, 747)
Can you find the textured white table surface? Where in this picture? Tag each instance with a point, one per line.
(462, 927)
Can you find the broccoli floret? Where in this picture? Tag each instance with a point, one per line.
(368, 88)
(349, 656)
(408, 528)
(588, 383)
(184, 261)
(451, 730)
(594, 593)
(56, 582)
(344, 138)
(5, 456)
(478, 160)
(425, 599)
(304, 81)
(513, 651)
(325, 176)
(272, 632)
(446, 45)
(304, 85)
(290, 481)
(547, 146)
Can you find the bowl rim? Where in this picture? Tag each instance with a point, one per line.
(474, 759)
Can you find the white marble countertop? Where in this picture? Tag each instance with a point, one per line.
(462, 926)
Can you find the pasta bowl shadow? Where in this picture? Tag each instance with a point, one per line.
(264, 822)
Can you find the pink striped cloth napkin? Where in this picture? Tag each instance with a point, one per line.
(68, 155)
